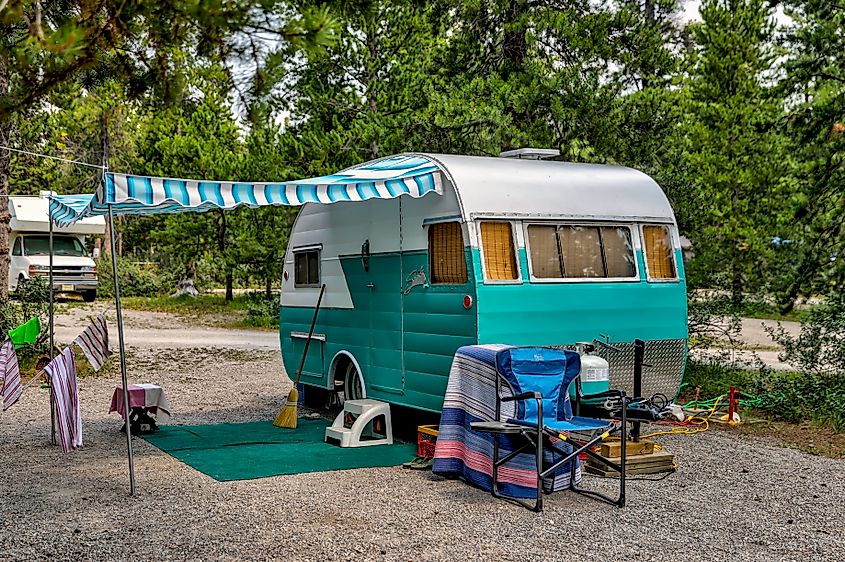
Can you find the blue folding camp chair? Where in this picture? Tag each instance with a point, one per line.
(538, 380)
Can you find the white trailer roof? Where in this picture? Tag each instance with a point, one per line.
(490, 186)
(30, 214)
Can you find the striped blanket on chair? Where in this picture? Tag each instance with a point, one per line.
(462, 452)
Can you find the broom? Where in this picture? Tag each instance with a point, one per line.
(288, 414)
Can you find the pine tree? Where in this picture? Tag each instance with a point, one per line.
(733, 157)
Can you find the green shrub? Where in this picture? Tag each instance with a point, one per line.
(261, 311)
(135, 281)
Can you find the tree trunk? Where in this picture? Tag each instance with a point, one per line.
(5, 169)
(515, 44)
(268, 287)
(230, 281)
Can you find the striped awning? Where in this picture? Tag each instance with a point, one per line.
(390, 177)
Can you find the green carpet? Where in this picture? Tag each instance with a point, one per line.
(242, 451)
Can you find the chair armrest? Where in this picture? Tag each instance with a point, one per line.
(523, 396)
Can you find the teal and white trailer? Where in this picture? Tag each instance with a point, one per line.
(499, 250)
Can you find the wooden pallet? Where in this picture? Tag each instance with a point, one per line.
(613, 448)
(653, 463)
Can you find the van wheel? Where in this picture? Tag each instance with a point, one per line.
(352, 389)
(21, 283)
(89, 296)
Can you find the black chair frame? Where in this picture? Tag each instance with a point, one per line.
(540, 437)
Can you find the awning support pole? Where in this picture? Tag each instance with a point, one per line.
(52, 332)
(123, 376)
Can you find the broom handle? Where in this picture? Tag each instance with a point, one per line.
(310, 333)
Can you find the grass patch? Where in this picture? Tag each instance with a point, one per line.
(203, 304)
(767, 311)
(246, 311)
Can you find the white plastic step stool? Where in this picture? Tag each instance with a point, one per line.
(356, 425)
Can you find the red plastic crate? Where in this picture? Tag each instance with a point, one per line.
(426, 440)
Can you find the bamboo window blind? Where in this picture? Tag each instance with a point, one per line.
(499, 255)
(658, 252)
(546, 262)
(446, 251)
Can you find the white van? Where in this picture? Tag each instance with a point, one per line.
(74, 271)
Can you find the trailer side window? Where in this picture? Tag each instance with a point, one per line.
(446, 252)
(658, 252)
(581, 252)
(306, 266)
(499, 255)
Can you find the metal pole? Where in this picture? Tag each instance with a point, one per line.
(122, 355)
(639, 356)
(52, 331)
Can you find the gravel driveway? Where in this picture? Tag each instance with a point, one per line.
(733, 498)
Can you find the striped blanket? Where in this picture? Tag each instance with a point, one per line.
(62, 372)
(94, 342)
(462, 452)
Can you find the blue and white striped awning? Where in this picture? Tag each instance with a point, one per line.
(390, 177)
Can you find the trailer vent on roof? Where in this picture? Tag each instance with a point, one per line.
(531, 153)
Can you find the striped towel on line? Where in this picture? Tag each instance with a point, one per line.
(10, 374)
(62, 371)
(94, 342)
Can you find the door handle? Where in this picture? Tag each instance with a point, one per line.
(370, 285)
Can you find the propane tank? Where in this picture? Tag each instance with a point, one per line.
(595, 370)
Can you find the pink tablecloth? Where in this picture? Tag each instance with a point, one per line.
(150, 396)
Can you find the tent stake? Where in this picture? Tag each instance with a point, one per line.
(52, 332)
(122, 355)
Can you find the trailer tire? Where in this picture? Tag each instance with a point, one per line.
(89, 296)
(352, 383)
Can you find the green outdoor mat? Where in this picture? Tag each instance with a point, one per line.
(26, 333)
(242, 451)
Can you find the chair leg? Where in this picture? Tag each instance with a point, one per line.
(538, 507)
(622, 460)
(494, 488)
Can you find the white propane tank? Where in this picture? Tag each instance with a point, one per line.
(595, 370)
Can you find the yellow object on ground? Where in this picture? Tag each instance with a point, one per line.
(288, 414)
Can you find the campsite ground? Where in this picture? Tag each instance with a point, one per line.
(734, 496)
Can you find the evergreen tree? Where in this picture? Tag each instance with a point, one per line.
(732, 155)
(815, 86)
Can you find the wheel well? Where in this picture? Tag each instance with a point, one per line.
(339, 366)
(340, 363)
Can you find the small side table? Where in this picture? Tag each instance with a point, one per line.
(144, 400)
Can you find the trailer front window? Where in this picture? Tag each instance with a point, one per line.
(499, 255)
(306, 265)
(446, 252)
(571, 251)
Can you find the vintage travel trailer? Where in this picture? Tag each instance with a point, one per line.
(512, 251)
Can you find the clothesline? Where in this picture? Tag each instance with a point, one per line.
(39, 155)
(38, 375)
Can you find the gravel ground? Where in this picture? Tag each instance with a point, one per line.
(733, 498)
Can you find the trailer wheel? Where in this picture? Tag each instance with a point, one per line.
(352, 389)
